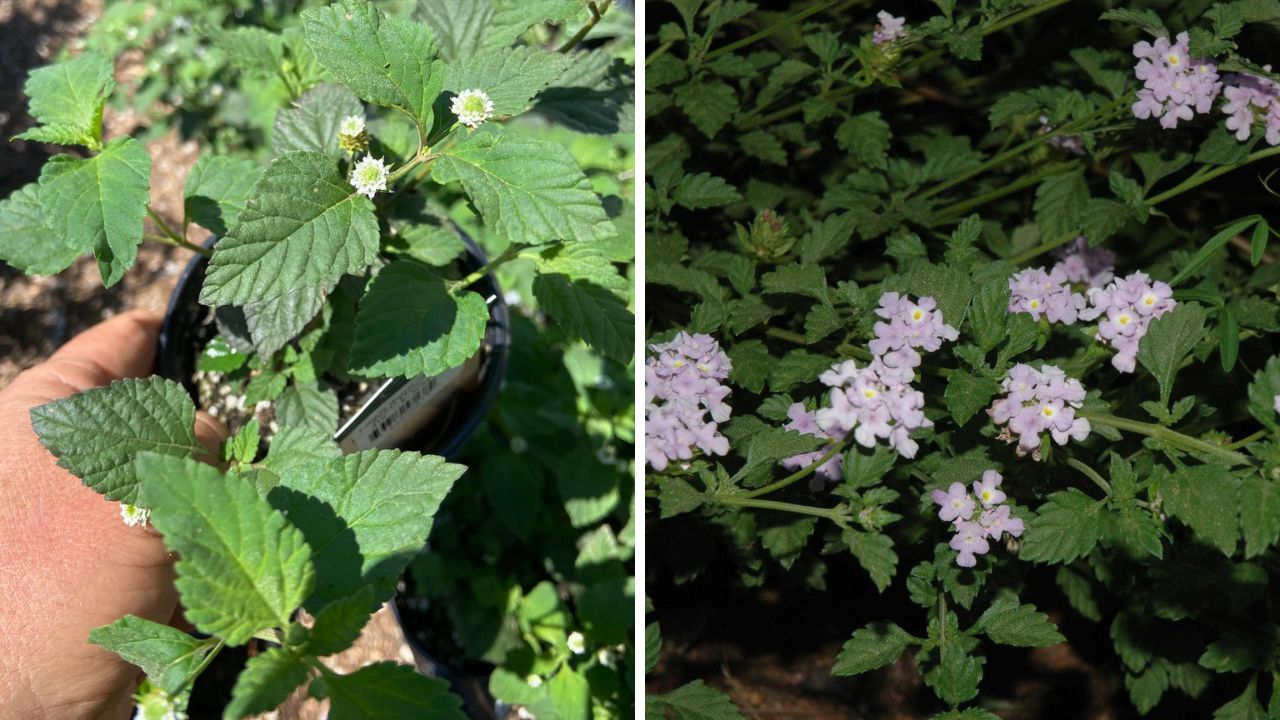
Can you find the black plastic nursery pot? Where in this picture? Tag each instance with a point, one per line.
(188, 326)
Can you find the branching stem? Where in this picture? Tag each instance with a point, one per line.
(798, 475)
(172, 238)
(834, 514)
(1091, 474)
(1172, 437)
(510, 253)
(596, 14)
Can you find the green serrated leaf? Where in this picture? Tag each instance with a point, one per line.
(1009, 622)
(1067, 527)
(967, 394)
(409, 324)
(1168, 340)
(388, 690)
(26, 242)
(529, 190)
(509, 76)
(279, 244)
(588, 488)
(1207, 499)
(587, 311)
(98, 203)
(384, 60)
(872, 647)
(311, 405)
(243, 567)
(704, 190)
(267, 681)
(696, 701)
(67, 100)
(97, 434)
(311, 123)
(1263, 392)
(866, 136)
(365, 515)
(339, 624)
(167, 655)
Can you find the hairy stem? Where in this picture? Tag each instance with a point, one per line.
(1185, 442)
(1245, 441)
(509, 254)
(833, 514)
(809, 11)
(596, 14)
(800, 474)
(173, 238)
(1091, 474)
(1198, 178)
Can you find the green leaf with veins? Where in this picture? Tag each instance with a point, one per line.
(272, 324)
(587, 311)
(693, 701)
(242, 568)
(529, 190)
(1008, 622)
(510, 76)
(460, 26)
(387, 690)
(340, 623)
(1168, 340)
(216, 190)
(167, 655)
(365, 515)
(98, 433)
(312, 405)
(267, 681)
(385, 60)
(872, 647)
(98, 203)
(67, 100)
(26, 242)
(311, 123)
(302, 225)
(409, 324)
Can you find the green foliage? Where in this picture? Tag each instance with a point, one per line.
(67, 100)
(97, 434)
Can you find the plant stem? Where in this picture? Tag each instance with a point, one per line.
(659, 52)
(510, 253)
(204, 662)
(849, 91)
(596, 14)
(813, 9)
(1091, 474)
(1200, 177)
(1255, 436)
(832, 514)
(952, 212)
(1185, 442)
(173, 238)
(798, 475)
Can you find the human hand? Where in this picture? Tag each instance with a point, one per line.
(68, 563)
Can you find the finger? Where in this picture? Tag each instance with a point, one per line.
(121, 347)
(210, 431)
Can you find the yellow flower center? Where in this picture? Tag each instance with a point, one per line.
(870, 393)
(1173, 60)
(986, 495)
(1048, 411)
(917, 315)
(1124, 319)
(1149, 300)
(678, 364)
(1035, 304)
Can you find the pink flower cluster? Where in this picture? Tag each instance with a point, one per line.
(1047, 294)
(1127, 306)
(1251, 98)
(877, 402)
(1036, 401)
(685, 377)
(1175, 86)
(974, 525)
(889, 28)
(805, 422)
(1093, 266)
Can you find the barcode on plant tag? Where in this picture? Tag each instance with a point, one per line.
(400, 408)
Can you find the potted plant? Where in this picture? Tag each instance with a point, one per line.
(335, 268)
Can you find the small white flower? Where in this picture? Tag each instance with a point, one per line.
(369, 176)
(534, 681)
(352, 125)
(605, 657)
(519, 445)
(134, 515)
(524, 714)
(577, 643)
(472, 107)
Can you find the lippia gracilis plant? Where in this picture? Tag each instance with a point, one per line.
(967, 312)
(337, 261)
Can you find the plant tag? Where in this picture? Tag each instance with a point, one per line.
(402, 407)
